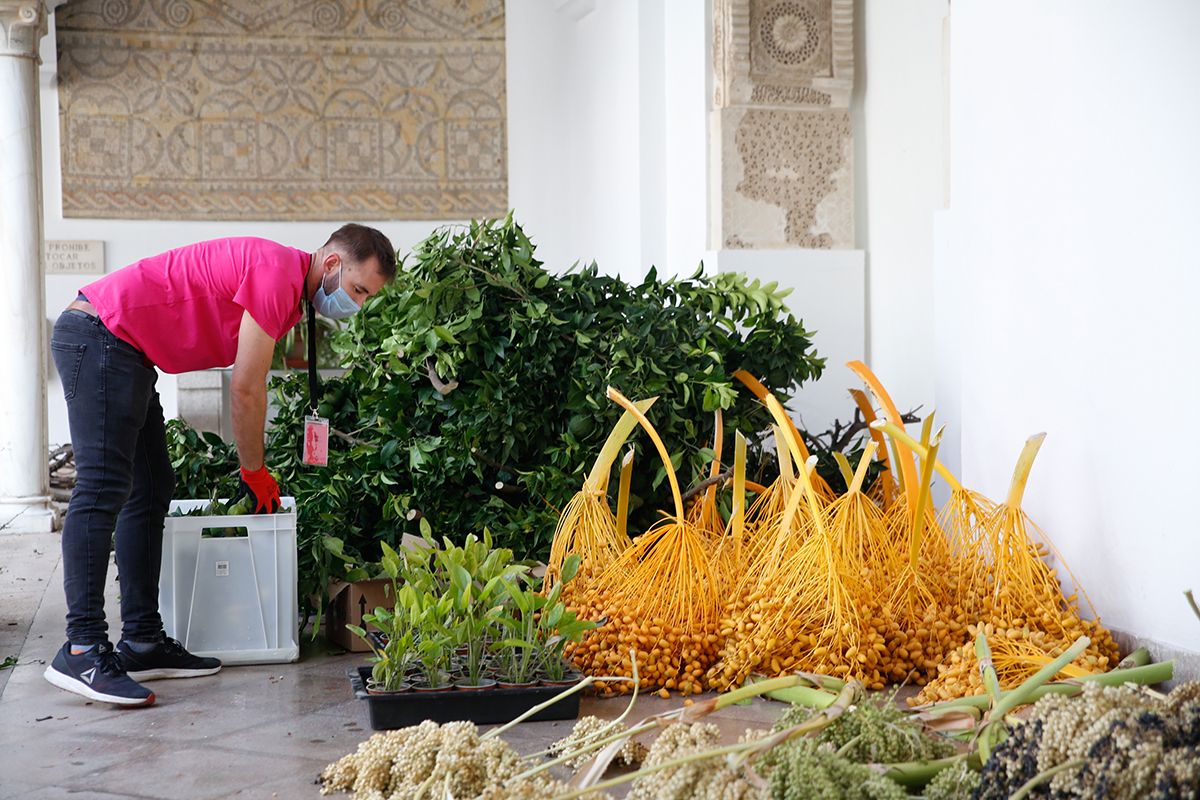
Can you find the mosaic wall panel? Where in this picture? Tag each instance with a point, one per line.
(282, 109)
(781, 135)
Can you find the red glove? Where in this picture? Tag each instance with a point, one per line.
(262, 487)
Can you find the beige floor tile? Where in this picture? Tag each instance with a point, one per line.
(307, 736)
(17, 790)
(195, 773)
(57, 758)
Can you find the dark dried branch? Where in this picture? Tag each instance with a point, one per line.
(346, 437)
(435, 380)
(839, 437)
(707, 482)
(61, 456)
(478, 455)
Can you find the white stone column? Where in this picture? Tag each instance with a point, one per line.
(24, 494)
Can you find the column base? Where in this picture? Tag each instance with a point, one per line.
(27, 515)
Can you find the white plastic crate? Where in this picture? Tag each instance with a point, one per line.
(232, 597)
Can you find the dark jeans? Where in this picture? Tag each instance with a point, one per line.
(123, 479)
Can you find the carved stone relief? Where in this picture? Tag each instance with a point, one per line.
(782, 136)
(283, 109)
(790, 40)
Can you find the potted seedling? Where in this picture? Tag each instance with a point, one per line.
(516, 624)
(468, 628)
(394, 647)
(394, 651)
(556, 626)
(435, 642)
(475, 573)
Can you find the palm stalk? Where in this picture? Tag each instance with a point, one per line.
(1147, 675)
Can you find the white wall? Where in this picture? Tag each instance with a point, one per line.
(829, 301)
(1072, 230)
(607, 152)
(608, 131)
(899, 185)
(687, 74)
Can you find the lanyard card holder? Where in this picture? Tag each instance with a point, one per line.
(316, 428)
(316, 441)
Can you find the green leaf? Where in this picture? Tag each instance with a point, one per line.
(570, 567)
(445, 335)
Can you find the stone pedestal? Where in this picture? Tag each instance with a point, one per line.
(203, 401)
(24, 482)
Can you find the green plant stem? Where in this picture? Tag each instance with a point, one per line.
(987, 670)
(1192, 602)
(1146, 675)
(1020, 695)
(993, 730)
(1138, 658)
(841, 751)
(918, 773)
(766, 687)
(807, 680)
(804, 696)
(1043, 776)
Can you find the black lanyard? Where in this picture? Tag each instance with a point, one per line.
(314, 384)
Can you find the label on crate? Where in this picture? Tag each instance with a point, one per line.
(316, 441)
(222, 569)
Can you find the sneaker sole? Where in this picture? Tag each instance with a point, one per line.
(76, 686)
(165, 674)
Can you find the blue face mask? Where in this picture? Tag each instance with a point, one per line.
(337, 304)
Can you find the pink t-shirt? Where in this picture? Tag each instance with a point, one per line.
(183, 308)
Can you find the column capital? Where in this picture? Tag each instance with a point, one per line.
(22, 26)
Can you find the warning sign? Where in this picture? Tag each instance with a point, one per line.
(74, 257)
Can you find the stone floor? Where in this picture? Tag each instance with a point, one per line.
(249, 731)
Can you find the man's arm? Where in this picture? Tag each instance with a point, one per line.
(248, 391)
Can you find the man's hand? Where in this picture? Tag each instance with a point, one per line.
(262, 488)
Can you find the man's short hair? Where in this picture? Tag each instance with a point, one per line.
(360, 243)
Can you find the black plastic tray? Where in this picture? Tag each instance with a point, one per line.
(483, 706)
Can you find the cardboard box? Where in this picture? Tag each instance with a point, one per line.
(349, 602)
